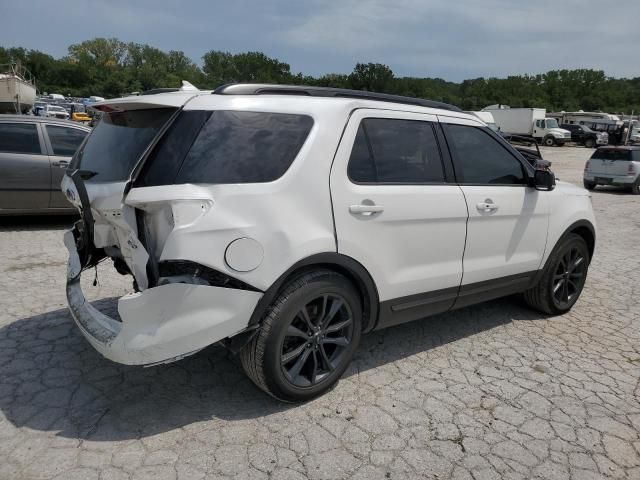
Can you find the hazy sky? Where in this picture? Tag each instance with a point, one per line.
(452, 39)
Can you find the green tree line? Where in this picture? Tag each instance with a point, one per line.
(110, 68)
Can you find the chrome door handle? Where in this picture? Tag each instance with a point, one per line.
(486, 206)
(61, 163)
(366, 209)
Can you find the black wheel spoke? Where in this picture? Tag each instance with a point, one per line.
(287, 357)
(336, 305)
(295, 370)
(557, 286)
(325, 359)
(304, 315)
(340, 341)
(314, 372)
(296, 332)
(336, 327)
(576, 263)
(323, 311)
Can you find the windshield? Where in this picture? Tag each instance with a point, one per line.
(552, 123)
(116, 143)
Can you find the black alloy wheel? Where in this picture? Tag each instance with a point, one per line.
(308, 337)
(569, 277)
(317, 340)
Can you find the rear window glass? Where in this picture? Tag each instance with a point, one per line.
(227, 147)
(606, 154)
(244, 147)
(19, 138)
(117, 142)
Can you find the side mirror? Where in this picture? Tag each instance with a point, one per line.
(544, 180)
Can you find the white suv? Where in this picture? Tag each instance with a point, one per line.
(285, 221)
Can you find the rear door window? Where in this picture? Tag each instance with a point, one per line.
(19, 138)
(64, 140)
(118, 141)
(392, 151)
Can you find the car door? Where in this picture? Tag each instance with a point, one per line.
(398, 212)
(62, 142)
(508, 220)
(25, 173)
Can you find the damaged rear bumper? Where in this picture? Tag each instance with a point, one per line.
(160, 324)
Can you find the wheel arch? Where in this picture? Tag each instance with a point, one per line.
(586, 230)
(337, 262)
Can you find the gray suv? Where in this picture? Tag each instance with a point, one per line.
(619, 166)
(34, 153)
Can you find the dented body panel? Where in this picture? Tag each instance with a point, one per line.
(146, 226)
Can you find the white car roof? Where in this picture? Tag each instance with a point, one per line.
(292, 103)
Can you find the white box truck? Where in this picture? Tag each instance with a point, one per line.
(529, 122)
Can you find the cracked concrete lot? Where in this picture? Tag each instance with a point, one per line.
(492, 391)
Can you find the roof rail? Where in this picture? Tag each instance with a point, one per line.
(272, 89)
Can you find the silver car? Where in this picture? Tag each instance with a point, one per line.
(619, 166)
(34, 153)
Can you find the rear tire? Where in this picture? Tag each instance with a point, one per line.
(635, 188)
(563, 277)
(589, 185)
(307, 338)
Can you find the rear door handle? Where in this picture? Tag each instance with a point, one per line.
(363, 209)
(487, 206)
(61, 163)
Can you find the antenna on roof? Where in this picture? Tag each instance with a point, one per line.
(188, 87)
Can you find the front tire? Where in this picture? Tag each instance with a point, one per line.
(635, 188)
(563, 277)
(589, 185)
(549, 141)
(590, 143)
(307, 338)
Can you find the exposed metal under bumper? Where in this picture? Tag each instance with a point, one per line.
(160, 324)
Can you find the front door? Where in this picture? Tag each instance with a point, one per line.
(397, 214)
(508, 220)
(25, 174)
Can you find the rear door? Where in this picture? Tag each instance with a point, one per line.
(398, 213)
(62, 142)
(25, 173)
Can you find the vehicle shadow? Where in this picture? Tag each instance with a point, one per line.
(52, 380)
(36, 222)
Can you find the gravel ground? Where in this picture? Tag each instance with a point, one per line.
(492, 391)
